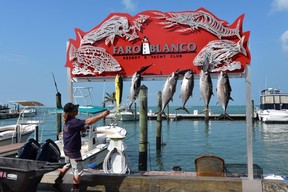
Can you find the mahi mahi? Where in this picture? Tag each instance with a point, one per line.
(135, 84)
(118, 91)
(206, 87)
(223, 92)
(186, 89)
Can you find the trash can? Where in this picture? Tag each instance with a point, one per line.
(18, 175)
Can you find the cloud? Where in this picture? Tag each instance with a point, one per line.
(129, 5)
(284, 41)
(279, 5)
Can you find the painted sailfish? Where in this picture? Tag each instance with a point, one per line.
(118, 91)
(135, 84)
(186, 89)
(223, 92)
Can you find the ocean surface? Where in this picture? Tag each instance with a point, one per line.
(185, 140)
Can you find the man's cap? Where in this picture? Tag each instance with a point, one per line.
(70, 107)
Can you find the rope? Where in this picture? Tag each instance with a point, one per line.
(132, 136)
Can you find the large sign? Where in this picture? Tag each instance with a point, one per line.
(171, 41)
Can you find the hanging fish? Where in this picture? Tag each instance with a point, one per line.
(118, 91)
(135, 84)
(186, 89)
(224, 92)
(169, 90)
(206, 87)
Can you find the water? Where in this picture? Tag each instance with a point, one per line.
(185, 140)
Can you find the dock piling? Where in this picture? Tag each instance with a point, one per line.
(207, 116)
(159, 123)
(143, 108)
(59, 115)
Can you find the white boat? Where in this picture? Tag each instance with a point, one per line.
(23, 128)
(95, 143)
(29, 111)
(273, 106)
(123, 116)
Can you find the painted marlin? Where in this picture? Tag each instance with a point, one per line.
(186, 89)
(135, 84)
(223, 92)
(198, 19)
(206, 87)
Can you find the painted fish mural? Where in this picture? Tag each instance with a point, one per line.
(194, 20)
(89, 59)
(116, 44)
(116, 26)
(220, 55)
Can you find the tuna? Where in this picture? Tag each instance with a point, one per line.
(135, 84)
(169, 90)
(223, 92)
(206, 87)
(186, 89)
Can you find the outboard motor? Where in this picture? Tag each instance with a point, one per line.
(48, 151)
(29, 150)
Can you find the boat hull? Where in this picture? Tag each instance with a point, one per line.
(273, 116)
(123, 116)
(94, 154)
(8, 133)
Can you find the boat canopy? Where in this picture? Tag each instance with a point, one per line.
(270, 91)
(28, 103)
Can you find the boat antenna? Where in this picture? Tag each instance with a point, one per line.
(55, 83)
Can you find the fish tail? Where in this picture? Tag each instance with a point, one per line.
(72, 52)
(162, 113)
(183, 108)
(225, 116)
(206, 110)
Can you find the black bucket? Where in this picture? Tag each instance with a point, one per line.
(18, 175)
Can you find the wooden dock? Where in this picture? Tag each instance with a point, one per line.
(152, 181)
(9, 115)
(175, 116)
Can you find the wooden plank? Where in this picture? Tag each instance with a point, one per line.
(7, 150)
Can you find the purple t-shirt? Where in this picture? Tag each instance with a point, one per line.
(71, 134)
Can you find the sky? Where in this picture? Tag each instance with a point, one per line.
(34, 35)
